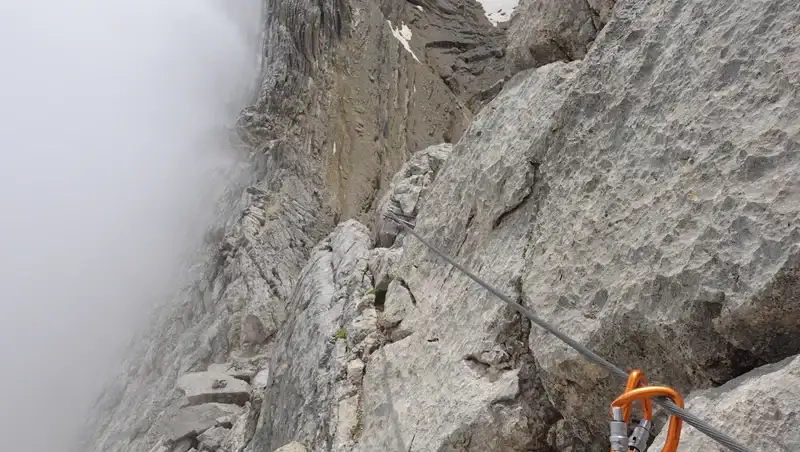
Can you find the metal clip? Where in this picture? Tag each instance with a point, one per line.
(641, 434)
(637, 390)
(619, 432)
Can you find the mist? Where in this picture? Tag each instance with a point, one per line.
(113, 123)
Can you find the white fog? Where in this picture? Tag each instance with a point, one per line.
(112, 118)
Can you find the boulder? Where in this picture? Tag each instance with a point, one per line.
(177, 424)
(261, 379)
(242, 369)
(544, 31)
(294, 446)
(408, 186)
(212, 439)
(760, 407)
(212, 386)
(382, 264)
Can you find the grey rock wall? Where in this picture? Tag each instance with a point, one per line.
(463, 377)
(334, 78)
(308, 375)
(649, 211)
(406, 192)
(644, 198)
(544, 31)
(760, 405)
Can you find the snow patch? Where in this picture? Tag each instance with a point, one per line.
(403, 34)
(334, 148)
(498, 10)
(419, 7)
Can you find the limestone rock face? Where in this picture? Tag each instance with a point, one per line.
(464, 49)
(645, 200)
(207, 387)
(405, 76)
(332, 316)
(649, 210)
(462, 377)
(544, 31)
(408, 186)
(759, 406)
(342, 104)
(185, 422)
(294, 446)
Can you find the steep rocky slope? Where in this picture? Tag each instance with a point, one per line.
(342, 105)
(640, 190)
(644, 200)
(545, 31)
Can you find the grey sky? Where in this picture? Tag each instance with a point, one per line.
(109, 112)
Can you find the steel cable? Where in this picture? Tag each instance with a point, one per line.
(698, 423)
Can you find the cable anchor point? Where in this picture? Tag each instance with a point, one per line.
(637, 390)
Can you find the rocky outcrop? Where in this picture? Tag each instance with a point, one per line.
(216, 387)
(339, 319)
(294, 446)
(463, 377)
(217, 411)
(342, 104)
(407, 75)
(544, 31)
(760, 405)
(408, 187)
(642, 200)
(331, 308)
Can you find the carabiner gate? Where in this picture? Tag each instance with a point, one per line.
(636, 389)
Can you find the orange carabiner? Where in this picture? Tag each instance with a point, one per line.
(637, 390)
(636, 379)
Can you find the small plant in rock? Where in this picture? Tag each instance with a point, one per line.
(341, 333)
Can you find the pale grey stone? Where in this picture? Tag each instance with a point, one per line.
(399, 303)
(642, 201)
(206, 387)
(177, 424)
(408, 186)
(382, 265)
(260, 380)
(294, 446)
(433, 385)
(183, 445)
(347, 415)
(242, 431)
(309, 359)
(160, 447)
(355, 371)
(759, 408)
(544, 31)
(212, 439)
